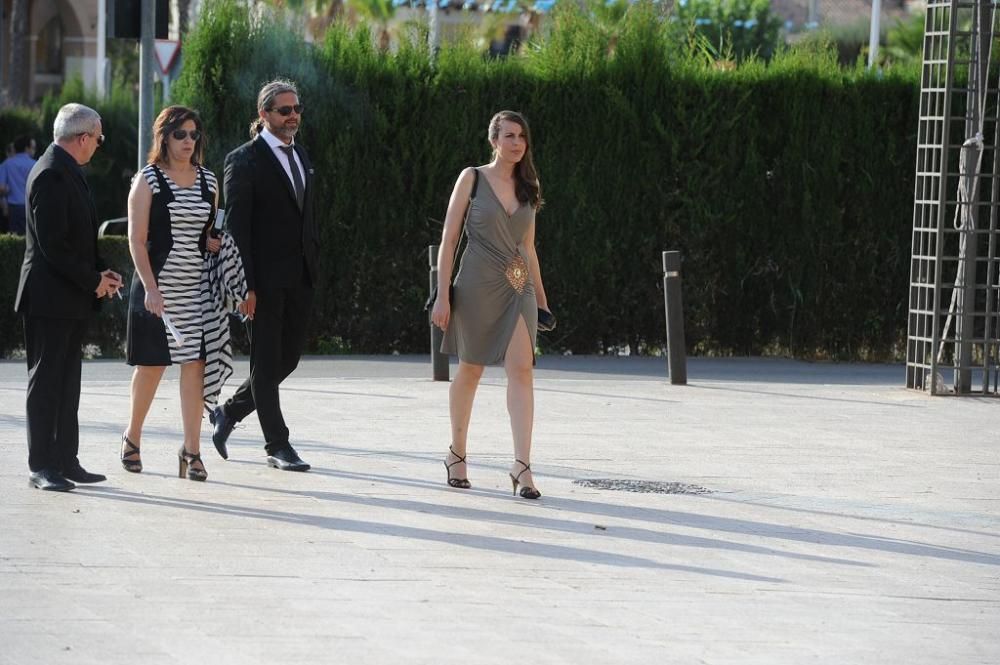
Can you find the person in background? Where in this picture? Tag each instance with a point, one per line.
(13, 178)
(4, 211)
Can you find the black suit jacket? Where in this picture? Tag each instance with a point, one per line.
(277, 241)
(61, 265)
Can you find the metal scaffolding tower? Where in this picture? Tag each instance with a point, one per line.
(953, 339)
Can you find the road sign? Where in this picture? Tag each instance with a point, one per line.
(166, 53)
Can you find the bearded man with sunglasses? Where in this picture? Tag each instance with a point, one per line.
(62, 278)
(269, 212)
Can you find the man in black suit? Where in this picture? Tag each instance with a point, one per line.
(61, 279)
(269, 211)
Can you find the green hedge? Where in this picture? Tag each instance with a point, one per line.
(107, 329)
(787, 185)
(17, 122)
(110, 172)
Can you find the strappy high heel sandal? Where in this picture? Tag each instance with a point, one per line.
(130, 457)
(526, 492)
(186, 461)
(459, 483)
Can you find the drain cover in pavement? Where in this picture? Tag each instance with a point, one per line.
(646, 486)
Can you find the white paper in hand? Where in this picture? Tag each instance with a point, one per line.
(220, 216)
(178, 337)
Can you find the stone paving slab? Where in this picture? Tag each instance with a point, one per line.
(849, 521)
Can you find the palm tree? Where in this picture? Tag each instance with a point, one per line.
(318, 14)
(380, 13)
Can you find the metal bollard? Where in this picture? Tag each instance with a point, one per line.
(676, 358)
(439, 361)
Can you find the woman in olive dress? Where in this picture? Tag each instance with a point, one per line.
(491, 315)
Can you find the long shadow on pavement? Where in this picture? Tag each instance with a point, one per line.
(545, 523)
(492, 543)
(724, 524)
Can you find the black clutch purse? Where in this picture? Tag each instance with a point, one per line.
(546, 320)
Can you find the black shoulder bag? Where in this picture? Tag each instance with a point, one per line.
(454, 262)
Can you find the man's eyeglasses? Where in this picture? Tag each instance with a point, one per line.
(99, 139)
(181, 134)
(287, 110)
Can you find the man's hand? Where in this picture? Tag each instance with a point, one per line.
(213, 245)
(249, 306)
(109, 284)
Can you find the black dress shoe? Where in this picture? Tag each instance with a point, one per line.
(50, 480)
(286, 459)
(81, 475)
(223, 428)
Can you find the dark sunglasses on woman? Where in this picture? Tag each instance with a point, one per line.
(181, 134)
(287, 110)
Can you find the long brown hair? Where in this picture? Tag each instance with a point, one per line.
(526, 185)
(172, 118)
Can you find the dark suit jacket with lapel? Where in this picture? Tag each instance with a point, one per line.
(277, 241)
(61, 265)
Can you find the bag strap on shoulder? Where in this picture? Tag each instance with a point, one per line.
(465, 230)
(475, 183)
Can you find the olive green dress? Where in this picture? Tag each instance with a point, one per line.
(492, 286)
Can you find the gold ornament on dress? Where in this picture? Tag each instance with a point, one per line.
(517, 273)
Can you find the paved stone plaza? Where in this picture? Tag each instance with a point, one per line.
(845, 520)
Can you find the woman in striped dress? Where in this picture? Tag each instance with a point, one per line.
(171, 210)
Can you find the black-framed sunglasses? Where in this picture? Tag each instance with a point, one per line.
(181, 134)
(287, 110)
(99, 139)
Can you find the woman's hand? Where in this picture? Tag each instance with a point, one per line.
(441, 313)
(213, 244)
(154, 301)
(248, 306)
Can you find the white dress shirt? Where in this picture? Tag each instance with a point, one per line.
(277, 145)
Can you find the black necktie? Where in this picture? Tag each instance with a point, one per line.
(300, 189)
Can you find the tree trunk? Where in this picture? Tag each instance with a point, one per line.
(17, 88)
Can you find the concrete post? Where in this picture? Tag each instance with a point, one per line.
(439, 361)
(676, 355)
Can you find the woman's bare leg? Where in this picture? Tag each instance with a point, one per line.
(192, 406)
(145, 380)
(461, 395)
(521, 398)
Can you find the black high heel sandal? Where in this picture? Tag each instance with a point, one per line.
(186, 461)
(459, 483)
(130, 457)
(526, 492)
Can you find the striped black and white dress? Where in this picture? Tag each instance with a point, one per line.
(180, 279)
(223, 288)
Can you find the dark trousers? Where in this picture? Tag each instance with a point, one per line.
(277, 336)
(16, 220)
(54, 364)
